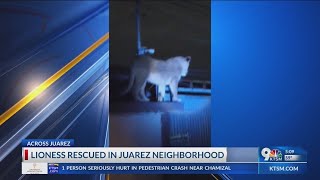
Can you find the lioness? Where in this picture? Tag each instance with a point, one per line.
(158, 72)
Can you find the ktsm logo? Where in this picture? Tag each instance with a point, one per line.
(271, 155)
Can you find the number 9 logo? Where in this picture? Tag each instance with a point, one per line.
(265, 153)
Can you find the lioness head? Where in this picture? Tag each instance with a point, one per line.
(184, 62)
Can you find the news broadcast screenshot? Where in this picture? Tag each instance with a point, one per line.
(159, 90)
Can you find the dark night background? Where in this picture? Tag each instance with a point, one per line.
(172, 28)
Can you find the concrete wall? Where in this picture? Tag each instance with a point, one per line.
(135, 130)
(132, 130)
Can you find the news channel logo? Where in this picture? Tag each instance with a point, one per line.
(53, 168)
(271, 154)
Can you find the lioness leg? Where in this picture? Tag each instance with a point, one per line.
(138, 84)
(174, 91)
(162, 93)
(142, 92)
